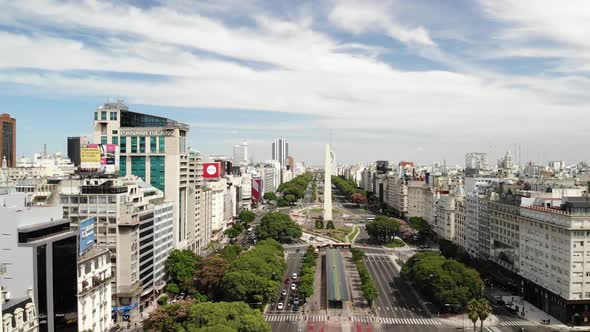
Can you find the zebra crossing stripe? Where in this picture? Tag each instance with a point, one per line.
(518, 323)
(409, 321)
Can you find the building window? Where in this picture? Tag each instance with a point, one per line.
(113, 115)
(122, 165)
(162, 146)
(115, 140)
(153, 144)
(103, 115)
(138, 167)
(158, 172)
(142, 144)
(123, 147)
(133, 144)
(95, 115)
(103, 140)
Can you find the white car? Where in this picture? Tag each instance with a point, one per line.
(293, 286)
(294, 276)
(280, 306)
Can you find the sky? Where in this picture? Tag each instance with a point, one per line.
(421, 80)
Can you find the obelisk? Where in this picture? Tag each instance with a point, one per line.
(328, 185)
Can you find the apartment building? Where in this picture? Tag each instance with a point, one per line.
(94, 290)
(460, 224)
(444, 224)
(417, 191)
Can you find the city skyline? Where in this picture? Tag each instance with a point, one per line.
(389, 78)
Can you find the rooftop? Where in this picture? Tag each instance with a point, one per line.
(336, 278)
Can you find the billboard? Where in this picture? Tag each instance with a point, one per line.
(87, 234)
(100, 157)
(256, 189)
(211, 170)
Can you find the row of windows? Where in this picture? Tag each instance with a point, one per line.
(157, 144)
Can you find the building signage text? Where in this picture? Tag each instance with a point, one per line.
(146, 132)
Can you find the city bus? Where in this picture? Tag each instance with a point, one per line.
(369, 219)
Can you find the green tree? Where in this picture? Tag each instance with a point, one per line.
(206, 316)
(382, 229)
(278, 226)
(247, 217)
(234, 231)
(358, 198)
(472, 311)
(181, 266)
(319, 224)
(369, 292)
(484, 309)
(420, 225)
(291, 199)
(172, 288)
(230, 252)
(249, 287)
(270, 197)
(330, 225)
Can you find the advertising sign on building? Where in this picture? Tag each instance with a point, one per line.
(256, 189)
(87, 234)
(100, 157)
(211, 170)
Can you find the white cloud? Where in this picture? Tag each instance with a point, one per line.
(375, 16)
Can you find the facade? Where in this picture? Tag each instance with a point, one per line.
(206, 206)
(54, 260)
(460, 217)
(444, 225)
(280, 151)
(240, 153)
(217, 193)
(94, 290)
(154, 149)
(397, 195)
(505, 232)
(74, 145)
(472, 224)
(18, 314)
(476, 163)
(8, 139)
(416, 201)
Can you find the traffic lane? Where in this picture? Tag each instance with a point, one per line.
(384, 301)
(294, 263)
(285, 326)
(421, 328)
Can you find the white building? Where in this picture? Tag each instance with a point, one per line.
(476, 163)
(444, 225)
(241, 153)
(280, 151)
(164, 242)
(94, 290)
(416, 201)
(217, 190)
(18, 314)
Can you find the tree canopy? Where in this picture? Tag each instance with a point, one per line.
(206, 316)
(382, 229)
(296, 186)
(347, 187)
(181, 266)
(209, 275)
(246, 217)
(270, 196)
(358, 198)
(278, 226)
(421, 226)
(444, 281)
(234, 231)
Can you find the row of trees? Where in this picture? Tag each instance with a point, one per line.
(196, 316)
(367, 288)
(307, 275)
(294, 189)
(383, 229)
(245, 218)
(444, 281)
(278, 226)
(347, 187)
(231, 275)
(478, 309)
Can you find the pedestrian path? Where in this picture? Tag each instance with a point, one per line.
(362, 319)
(282, 318)
(409, 321)
(520, 322)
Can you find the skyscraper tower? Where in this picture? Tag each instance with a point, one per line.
(280, 151)
(8, 139)
(328, 184)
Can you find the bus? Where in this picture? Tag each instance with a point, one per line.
(369, 219)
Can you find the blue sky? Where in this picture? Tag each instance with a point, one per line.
(416, 80)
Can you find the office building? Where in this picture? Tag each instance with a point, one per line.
(280, 151)
(54, 260)
(241, 153)
(74, 145)
(8, 139)
(154, 149)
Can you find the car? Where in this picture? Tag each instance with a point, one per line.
(295, 307)
(296, 300)
(294, 276)
(280, 306)
(298, 250)
(293, 286)
(284, 292)
(287, 281)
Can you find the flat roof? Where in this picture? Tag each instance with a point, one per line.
(335, 276)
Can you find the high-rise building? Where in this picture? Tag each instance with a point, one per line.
(8, 139)
(291, 163)
(476, 163)
(241, 153)
(154, 149)
(74, 145)
(280, 151)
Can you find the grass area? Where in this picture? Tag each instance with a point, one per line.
(355, 231)
(395, 244)
(316, 210)
(334, 211)
(337, 234)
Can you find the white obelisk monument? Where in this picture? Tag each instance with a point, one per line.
(328, 185)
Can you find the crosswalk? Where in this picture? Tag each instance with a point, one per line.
(282, 318)
(314, 318)
(520, 322)
(409, 321)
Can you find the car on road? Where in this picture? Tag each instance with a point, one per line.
(294, 277)
(296, 300)
(284, 292)
(293, 286)
(280, 306)
(295, 307)
(287, 281)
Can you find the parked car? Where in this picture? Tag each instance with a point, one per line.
(294, 277)
(280, 306)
